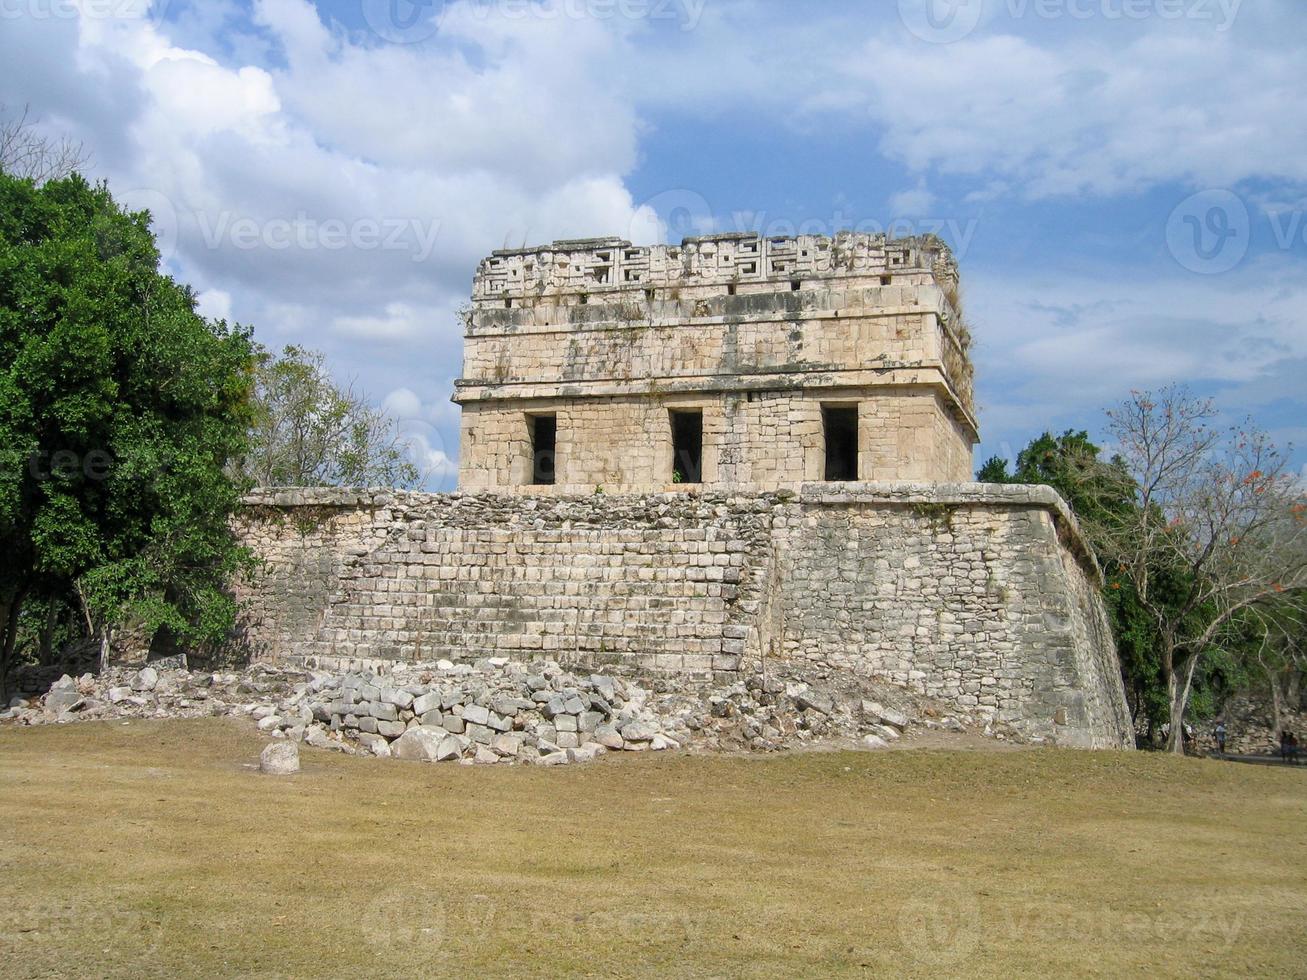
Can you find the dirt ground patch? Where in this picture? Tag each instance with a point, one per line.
(154, 848)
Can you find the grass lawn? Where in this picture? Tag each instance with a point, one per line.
(152, 848)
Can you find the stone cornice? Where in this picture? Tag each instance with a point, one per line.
(927, 497)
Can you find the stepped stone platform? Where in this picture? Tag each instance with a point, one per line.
(979, 596)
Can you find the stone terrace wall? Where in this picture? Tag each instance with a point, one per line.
(671, 582)
(979, 595)
(983, 596)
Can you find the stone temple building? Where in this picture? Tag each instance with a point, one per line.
(725, 360)
(707, 459)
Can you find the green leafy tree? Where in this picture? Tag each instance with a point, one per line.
(310, 432)
(120, 409)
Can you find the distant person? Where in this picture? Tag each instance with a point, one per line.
(1220, 738)
(1187, 735)
(1293, 749)
(1285, 737)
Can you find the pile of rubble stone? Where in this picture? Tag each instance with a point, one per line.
(497, 710)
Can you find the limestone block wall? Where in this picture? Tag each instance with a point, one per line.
(673, 583)
(981, 596)
(769, 439)
(821, 328)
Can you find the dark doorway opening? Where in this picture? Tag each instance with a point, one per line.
(840, 425)
(544, 442)
(687, 447)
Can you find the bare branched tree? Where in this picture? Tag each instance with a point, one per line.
(1219, 533)
(1282, 657)
(28, 153)
(309, 432)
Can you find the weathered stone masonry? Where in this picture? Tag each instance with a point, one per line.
(981, 596)
(753, 337)
(702, 388)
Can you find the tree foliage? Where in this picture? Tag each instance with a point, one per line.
(120, 408)
(310, 432)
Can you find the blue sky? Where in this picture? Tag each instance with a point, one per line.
(1125, 181)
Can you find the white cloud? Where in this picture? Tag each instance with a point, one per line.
(215, 304)
(914, 203)
(338, 191)
(1024, 104)
(1089, 115)
(536, 108)
(403, 403)
(399, 322)
(500, 131)
(1057, 350)
(425, 430)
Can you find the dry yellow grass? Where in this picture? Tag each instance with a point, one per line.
(151, 849)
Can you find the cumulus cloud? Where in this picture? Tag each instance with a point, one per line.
(215, 304)
(1088, 114)
(424, 428)
(1053, 351)
(913, 203)
(337, 191)
(1029, 105)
